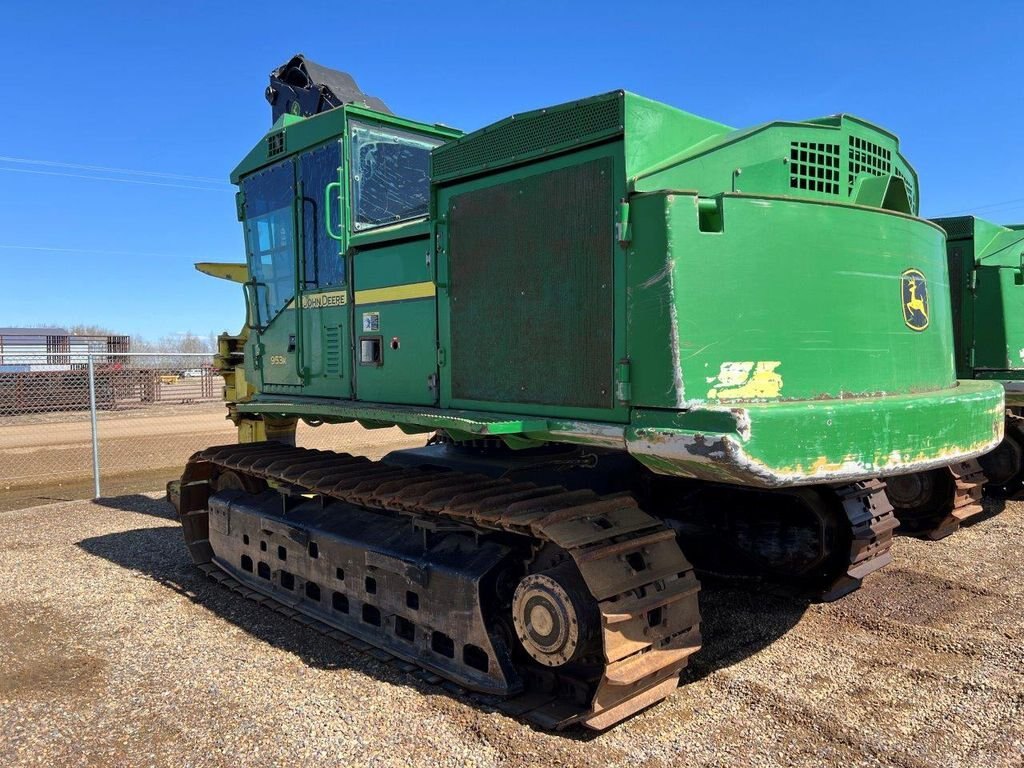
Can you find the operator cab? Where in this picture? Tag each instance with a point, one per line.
(334, 208)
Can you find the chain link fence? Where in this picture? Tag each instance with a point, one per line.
(126, 423)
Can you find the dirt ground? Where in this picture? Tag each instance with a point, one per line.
(48, 457)
(117, 652)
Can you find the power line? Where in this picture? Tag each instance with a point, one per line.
(107, 169)
(110, 178)
(91, 251)
(1014, 203)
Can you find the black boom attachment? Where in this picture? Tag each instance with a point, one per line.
(303, 87)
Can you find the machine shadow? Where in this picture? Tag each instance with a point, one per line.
(738, 620)
(991, 507)
(138, 504)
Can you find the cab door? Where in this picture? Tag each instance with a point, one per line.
(268, 207)
(324, 309)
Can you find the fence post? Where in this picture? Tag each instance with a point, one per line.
(95, 435)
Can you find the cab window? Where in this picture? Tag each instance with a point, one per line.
(270, 237)
(390, 175)
(322, 263)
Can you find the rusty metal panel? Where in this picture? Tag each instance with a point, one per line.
(531, 289)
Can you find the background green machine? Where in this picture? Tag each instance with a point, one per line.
(986, 271)
(629, 328)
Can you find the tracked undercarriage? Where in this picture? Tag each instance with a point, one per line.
(1004, 467)
(579, 608)
(935, 503)
(603, 603)
(823, 540)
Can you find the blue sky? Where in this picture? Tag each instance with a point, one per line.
(173, 93)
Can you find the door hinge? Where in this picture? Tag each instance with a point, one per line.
(623, 381)
(440, 357)
(622, 231)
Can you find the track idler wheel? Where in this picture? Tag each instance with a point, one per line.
(229, 480)
(921, 499)
(555, 618)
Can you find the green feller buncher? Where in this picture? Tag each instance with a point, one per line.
(626, 328)
(986, 280)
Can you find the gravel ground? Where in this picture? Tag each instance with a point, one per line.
(115, 651)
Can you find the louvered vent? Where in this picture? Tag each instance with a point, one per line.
(332, 350)
(814, 166)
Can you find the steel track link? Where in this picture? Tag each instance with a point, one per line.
(643, 586)
(872, 523)
(970, 485)
(968, 481)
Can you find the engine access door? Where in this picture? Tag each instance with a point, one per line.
(999, 319)
(528, 313)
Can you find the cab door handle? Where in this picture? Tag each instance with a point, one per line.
(327, 211)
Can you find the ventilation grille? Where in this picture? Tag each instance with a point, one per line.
(332, 350)
(814, 166)
(531, 276)
(957, 227)
(527, 136)
(275, 144)
(867, 157)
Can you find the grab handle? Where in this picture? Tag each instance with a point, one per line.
(327, 211)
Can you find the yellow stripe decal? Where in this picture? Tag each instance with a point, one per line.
(396, 293)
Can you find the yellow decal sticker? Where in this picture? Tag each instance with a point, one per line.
(746, 380)
(277, 360)
(914, 292)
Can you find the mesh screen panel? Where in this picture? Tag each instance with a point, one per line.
(531, 289)
(527, 136)
(957, 227)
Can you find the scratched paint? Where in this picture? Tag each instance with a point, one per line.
(746, 380)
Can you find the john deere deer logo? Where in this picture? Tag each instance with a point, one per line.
(915, 299)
